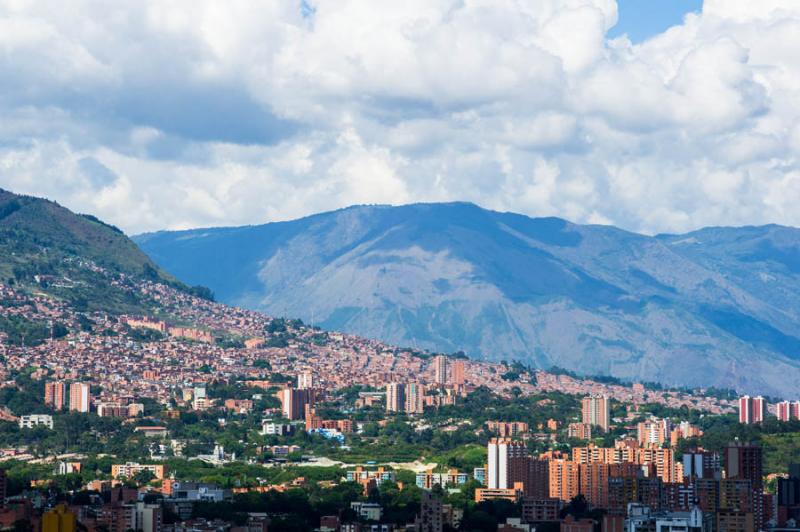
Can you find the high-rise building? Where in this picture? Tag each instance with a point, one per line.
(440, 369)
(788, 493)
(564, 482)
(54, 393)
(395, 397)
(784, 411)
(415, 398)
(502, 462)
(79, 397)
(746, 409)
(458, 373)
(294, 401)
(663, 461)
(507, 429)
(305, 380)
(701, 464)
(288, 403)
(752, 409)
(593, 482)
(744, 461)
(794, 410)
(537, 483)
(788, 500)
(512, 467)
(595, 411)
(431, 514)
(146, 517)
(759, 409)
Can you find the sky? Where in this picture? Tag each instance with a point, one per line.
(642, 19)
(652, 115)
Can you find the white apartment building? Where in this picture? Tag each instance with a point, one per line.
(36, 420)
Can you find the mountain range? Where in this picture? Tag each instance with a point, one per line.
(714, 307)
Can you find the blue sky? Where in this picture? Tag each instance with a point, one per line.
(238, 113)
(641, 19)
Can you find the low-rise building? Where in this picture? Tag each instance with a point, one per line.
(270, 428)
(152, 431)
(36, 420)
(281, 451)
(452, 478)
(541, 510)
(479, 474)
(239, 406)
(370, 511)
(509, 494)
(131, 469)
(570, 524)
(66, 468)
(579, 431)
(642, 519)
(369, 479)
(514, 524)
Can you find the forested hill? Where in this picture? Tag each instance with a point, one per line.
(48, 248)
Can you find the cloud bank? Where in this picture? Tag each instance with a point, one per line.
(160, 114)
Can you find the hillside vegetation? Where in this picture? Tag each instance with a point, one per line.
(47, 248)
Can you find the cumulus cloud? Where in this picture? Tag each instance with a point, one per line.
(167, 115)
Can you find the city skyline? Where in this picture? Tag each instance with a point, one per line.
(422, 266)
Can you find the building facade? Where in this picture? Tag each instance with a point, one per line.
(54, 394)
(595, 411)
(79, 397)
(395, 397)
(440, 370)
(36, 420)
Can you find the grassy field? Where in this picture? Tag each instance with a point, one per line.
(466, 457)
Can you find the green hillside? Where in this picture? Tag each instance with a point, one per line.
(47, 248)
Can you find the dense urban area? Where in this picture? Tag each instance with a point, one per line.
(196, 416)
(400, 266)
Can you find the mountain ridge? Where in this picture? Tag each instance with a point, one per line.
(149, 234)
(591, 298)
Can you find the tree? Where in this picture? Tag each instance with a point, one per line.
(144, 476)
(577, 507)
(479, 521)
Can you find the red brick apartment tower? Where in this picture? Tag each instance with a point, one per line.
(54, 393)
(457, 376)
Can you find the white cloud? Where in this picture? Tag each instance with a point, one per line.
(744, 11)
(159, 114)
